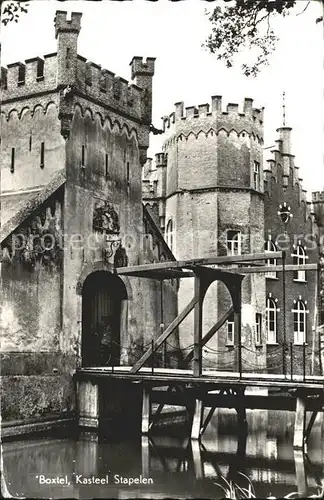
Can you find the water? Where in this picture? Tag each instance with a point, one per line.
(167, 466)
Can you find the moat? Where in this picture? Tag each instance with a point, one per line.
(166, 464)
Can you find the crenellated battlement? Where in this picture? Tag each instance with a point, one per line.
(139, 67)
(69, 73)
(205, 116)
(37, 74)
(63, 24)
(112, 90)
(318, 197)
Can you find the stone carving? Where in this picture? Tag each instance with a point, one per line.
(106, 222)
(105, 218)
(38, 242)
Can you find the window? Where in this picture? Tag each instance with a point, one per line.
(42, 155)
(83, 156)
(299, 258)
(30, 142)
(258, 327)
(233, 242)
(12, 166)
(299, 313)
(21, 74)
(127, 174)
(67, 60)
(40, 70)
(271, 321)
(169, 234)
(106, 165)
(230, 331)
(256, 176)
(270, 247)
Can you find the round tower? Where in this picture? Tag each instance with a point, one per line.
(214, 201)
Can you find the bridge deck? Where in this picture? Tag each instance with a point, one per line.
(159, 376)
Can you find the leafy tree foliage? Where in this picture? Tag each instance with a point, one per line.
(239, 24)
(10, 11)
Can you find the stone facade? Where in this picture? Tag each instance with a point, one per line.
(210, 182)
(73, 141)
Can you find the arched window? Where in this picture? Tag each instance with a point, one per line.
(169, 234)
(271, 320)
(299, 258)
(299, 311)
(269, 246)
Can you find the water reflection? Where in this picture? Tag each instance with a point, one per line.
(176, 466)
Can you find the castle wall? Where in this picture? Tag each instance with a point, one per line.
(24, 126)
(31, 317)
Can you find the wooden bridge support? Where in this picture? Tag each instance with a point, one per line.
(145, 450)
(88, 404)
(300, 469)
(197, 419)
(310, 426)
(197, 460)
(146, 410)
(300, 419)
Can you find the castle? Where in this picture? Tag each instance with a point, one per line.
(211, 195)
(79, 199)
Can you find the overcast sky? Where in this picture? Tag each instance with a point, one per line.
(113, 32)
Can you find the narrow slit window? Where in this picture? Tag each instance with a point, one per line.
(127, 173)
(30, 142)
(106, 165)
(42, 155)
(67, 61)
(12, 166)
(83, 156)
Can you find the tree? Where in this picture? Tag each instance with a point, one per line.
(239, 24)
(10, 11)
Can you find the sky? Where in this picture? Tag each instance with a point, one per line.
(173, 32)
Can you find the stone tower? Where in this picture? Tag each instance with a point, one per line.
(214, 206)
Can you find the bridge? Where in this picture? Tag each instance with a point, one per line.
(196, 389)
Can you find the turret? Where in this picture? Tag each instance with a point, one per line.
(142, 74)
(66, 33)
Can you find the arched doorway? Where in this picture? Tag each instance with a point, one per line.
(102, 297)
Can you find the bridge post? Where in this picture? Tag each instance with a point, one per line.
(300, 419)
(197, 419)
(145, 450)
(301, 477)
(197, 359)
(88, 404)
(197, 459)
(146, 404)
